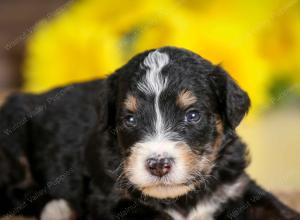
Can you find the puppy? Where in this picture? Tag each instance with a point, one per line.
(155, 140)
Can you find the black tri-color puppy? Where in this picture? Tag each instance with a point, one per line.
(155, 140)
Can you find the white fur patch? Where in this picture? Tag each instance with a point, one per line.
(206, 209)
(154, 83)
(57, 210)
(175, 214)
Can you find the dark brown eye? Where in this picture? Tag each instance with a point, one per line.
(130, 121)
(192, 116)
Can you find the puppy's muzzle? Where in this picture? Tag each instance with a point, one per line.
(159, 166)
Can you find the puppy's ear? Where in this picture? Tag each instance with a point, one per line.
(233, 102)
(107, 98)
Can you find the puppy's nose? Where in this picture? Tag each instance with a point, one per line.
(159, 166)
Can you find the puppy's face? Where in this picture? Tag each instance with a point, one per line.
(169, 125)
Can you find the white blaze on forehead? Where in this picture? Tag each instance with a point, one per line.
(154, 83)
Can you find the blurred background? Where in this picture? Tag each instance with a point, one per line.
(44, 44)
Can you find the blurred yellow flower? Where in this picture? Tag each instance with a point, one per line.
(92, 38)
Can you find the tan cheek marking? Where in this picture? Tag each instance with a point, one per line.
(28, 180)
(193, 161)
(220, 131)
(130, 103)
(189, 157)
(209, 159)
(185, 99)
(207, 162)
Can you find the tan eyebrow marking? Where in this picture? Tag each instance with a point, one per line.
(130, 103)
(185, 98)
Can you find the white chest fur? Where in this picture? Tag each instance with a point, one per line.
(205, 209)
(201, 212)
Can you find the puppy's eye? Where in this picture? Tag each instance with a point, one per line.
(192, 116)
(130, 121)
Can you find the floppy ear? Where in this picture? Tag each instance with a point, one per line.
(103, 105)
(233, 102)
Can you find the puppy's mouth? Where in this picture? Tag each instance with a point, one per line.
(164, 169)
(167, 191)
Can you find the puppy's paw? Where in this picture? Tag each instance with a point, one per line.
(57, 210)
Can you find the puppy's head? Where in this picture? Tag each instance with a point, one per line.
(173, 109)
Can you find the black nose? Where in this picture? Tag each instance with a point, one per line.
(159, 166)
